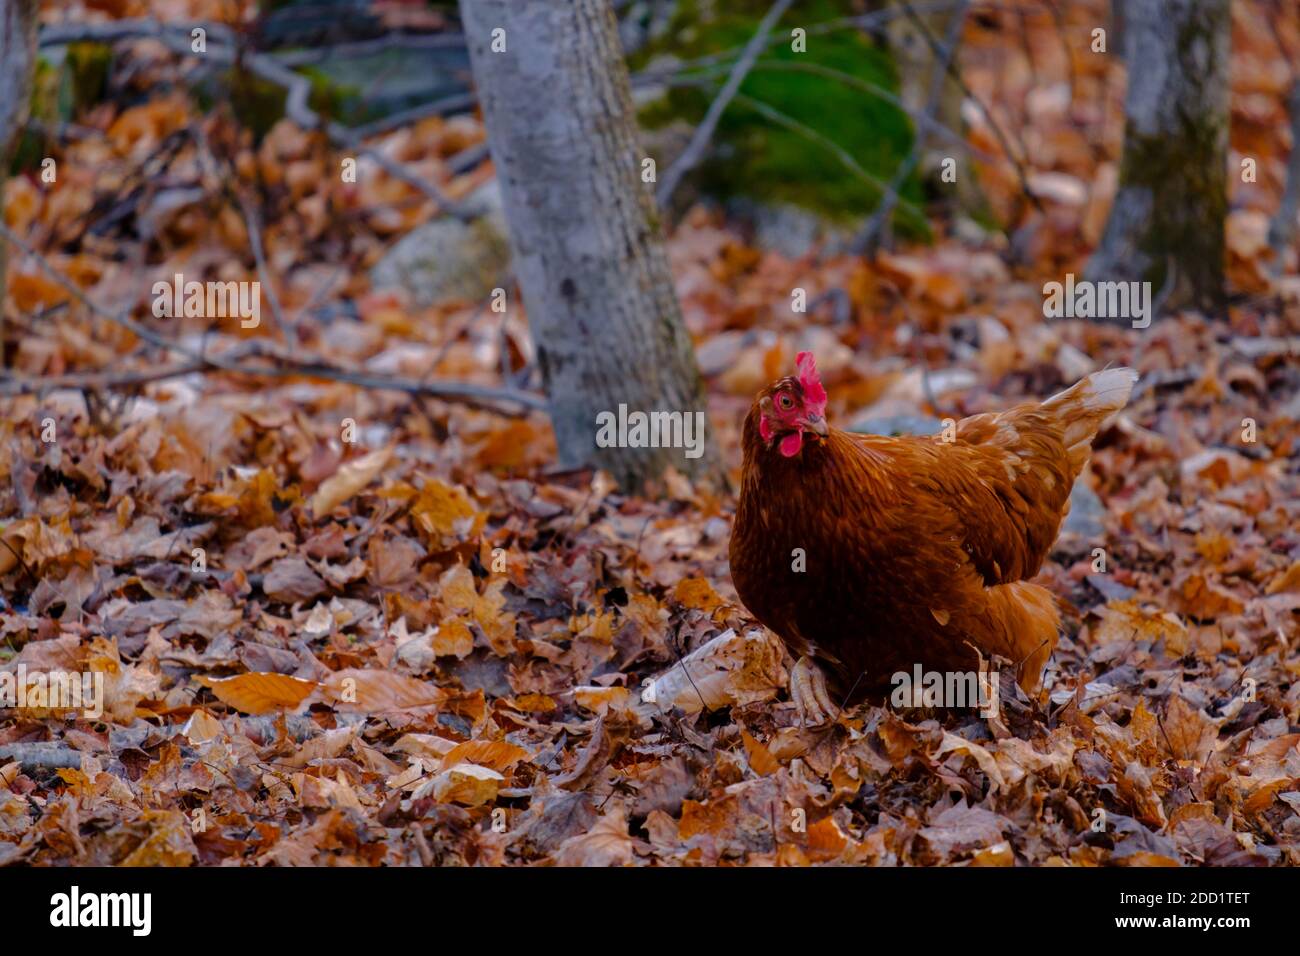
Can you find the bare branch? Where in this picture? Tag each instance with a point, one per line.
(380, 44)
(694, 151)
(870, 234)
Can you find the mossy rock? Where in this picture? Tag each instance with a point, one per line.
(258, 104)
(758, 157)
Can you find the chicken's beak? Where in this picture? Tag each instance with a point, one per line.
(817, 425)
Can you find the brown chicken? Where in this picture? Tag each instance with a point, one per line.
(868, 555)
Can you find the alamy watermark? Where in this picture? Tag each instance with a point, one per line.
(952, 689)
(75, 908)
(637, 429)
(53, 690)
(211, 300)
(1085, 299)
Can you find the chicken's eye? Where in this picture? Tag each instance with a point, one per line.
(785, 401)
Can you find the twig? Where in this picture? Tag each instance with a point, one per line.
(865, 21)
(867, 239)
(380, 44)
(468, 158)
(448, 104)
(122, 318)
(253, 225)
(920, 118)
(694, 151)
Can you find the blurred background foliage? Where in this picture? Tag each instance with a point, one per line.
(679, 51)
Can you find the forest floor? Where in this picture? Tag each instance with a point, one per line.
(429, 646)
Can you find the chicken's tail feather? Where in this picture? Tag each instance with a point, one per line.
(1082, 409)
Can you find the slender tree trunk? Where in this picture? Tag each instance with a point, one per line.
(1166, 226)
(918, 66)
(1281, 231)
(17, 62)
(583, 226)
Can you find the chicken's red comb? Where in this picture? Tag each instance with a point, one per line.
(806, 366)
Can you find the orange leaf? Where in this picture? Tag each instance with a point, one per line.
(760, 758)
(496, 754)
(697, 593)
(260, 692)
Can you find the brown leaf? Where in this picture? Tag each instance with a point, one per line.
(605, 844)
(959, 829)
(291, 580)
(760, 758)
(1190, 733)
(360, 690)
(349, 480)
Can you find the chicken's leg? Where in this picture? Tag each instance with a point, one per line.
(808, 691)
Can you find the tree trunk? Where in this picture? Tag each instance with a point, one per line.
(17, 62)
(1281, 231)
(583, 227)
(918, 67)
(1172, 201)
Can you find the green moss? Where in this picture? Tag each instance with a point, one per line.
(755, 157)
(85, 77)
(1182, 171)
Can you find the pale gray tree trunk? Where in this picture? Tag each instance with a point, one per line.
(1281, 231)
(17, 62)
(918, 67)
(1166, 225)
(584, 230)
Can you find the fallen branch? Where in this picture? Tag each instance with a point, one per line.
(694, 151)
(480, 396)
(379, 44)
(39, 756)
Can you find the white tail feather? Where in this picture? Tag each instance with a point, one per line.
(1084, 407)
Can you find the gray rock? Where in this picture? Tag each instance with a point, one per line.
(447, 259)
(792, 231)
